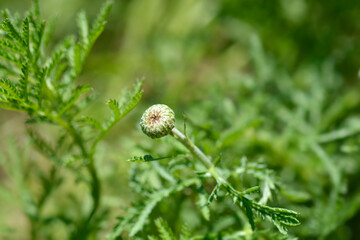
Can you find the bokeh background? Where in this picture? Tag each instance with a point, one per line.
(293, 64)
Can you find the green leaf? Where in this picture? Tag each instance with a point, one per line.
(279, 216)
(119, 111)
(35, 10)
(213, 194)
(39, 86)
(12, 107)
(59, 54)
(83, 28)
(145, 158)
(43, 146)
(24, 80)
(233, 134)
(248, 210)
(7, 43)
(9, 90)
(87, 39)
(152, 238)
(164, 230)
(202, 203)
(49, 30)
(132, 100)
(185, 232)
(26, 33)
(92, 122)
(124, 221)
(76, 59)
(39, 33)
(10, 57)
(11, 29)
(154, 199)
(114, 107)
(99, 24)
(66, 105)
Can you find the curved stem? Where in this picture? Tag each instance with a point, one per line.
(96, 188)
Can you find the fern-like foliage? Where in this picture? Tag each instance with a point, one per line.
(136, 219)
(253, 209)
(164, 230)
(44, 86)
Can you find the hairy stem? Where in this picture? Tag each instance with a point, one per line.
(193, 149)
(215, 173)
(199, 154)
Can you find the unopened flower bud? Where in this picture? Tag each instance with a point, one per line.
(157, 121)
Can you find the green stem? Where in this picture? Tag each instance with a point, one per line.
(95, 183)
(200, 155)
(215, 173)
(193, 149)
(96, 189)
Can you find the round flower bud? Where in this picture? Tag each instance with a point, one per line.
(157, 121)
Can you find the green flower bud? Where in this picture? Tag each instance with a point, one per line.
(157, 121)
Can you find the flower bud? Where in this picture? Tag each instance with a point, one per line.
(157, 121)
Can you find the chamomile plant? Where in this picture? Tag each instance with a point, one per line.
(159, 121)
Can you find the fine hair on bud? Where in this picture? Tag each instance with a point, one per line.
(157, 121)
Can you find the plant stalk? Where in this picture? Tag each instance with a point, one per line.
(215, 173)
(199, 154)
(95, 183)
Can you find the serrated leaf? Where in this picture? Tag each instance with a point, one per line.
(39, 38)
(8, 44)
(35, 10)
(154, 199)
(124, 221)
(43, 146)
(92, 122)
(114, 107)
(26, 32)
(75, 95)
(24, 79)
(83, 28)
(11, 30)
(202, 203)
(99, 23)
(185, 232)
(11, 57)
(81, 49)
(279, 216)
(213, 194)
(9, 89)
(248, 210)
(58, 55)
(145, 158)
(49, 31)
(120, 111)
(40, 85)
(164, 230)
(12, 107)
(133, 99)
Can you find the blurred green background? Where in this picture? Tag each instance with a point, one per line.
(294, 64)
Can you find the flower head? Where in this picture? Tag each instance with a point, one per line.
(157, 121)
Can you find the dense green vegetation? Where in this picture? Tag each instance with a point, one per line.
(268, 90)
